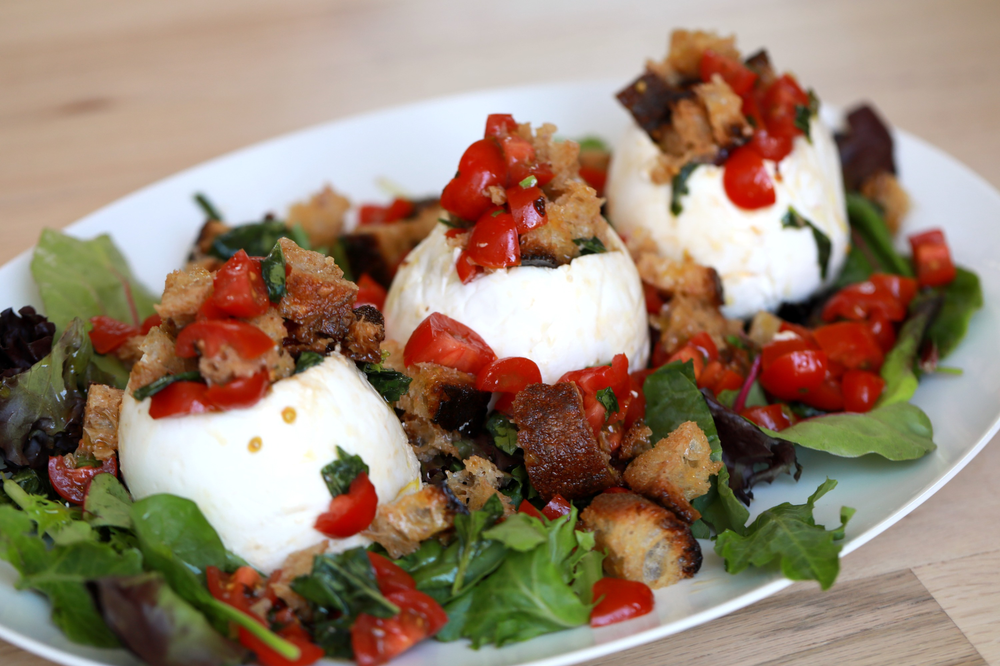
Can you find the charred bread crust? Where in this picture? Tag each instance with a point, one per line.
(561, 454)
(401, 525)
(643, 541)
(365, 335)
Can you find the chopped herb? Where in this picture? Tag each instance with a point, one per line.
(273, 270)
(339, 474)
(592, 143)
(736, 341)
(503, 431)
(86, 460)
(256, 238)
(590, 246)
(802, 116)
(607, 397)
(307, 359)
(793, 220)
(390, 384)
(154, 387)
(678, 187)
(495, 213)
(211, 212)
(530, 181)
(448, 223)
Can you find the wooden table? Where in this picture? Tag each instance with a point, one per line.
(100, 98)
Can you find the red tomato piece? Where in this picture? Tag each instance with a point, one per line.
(801, 331)
(309, 653)
(771, 417)
(442, 340)
(828, 396)
(350, 513)
(592, 380)
(150, 322)
(616, 489)
(527, 507)
(637, 405)
(772, 351)
(499, 125)
(903, 289)
(493, 242)
(771, 146)
(793, 374)
(370, 292)
(527, 205)
(732, 71)
(746, 180)
(465, 268)
(729, 381)
(72, 482)
(109, 334)
(778, 106)
(711, 374)
(376, 640)
(239, 393)
(390, 577)
(249, 341)
(399, 209)
(862, 300)
(180, 398)
(481, 165)
(654, 302)
(618, 600)
(596, 178)
(850, 343)
(932, 259)
(558, 506)
(861, 390)
(883, 331)
(689, 353)
(239, 288)
(508, 375)
(704, 343)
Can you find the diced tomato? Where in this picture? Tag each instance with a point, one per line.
(109, 334)
(592, 380)
(932, 259)
(637, 406)
(557, 507)
(499, 125)
(481, 165)
(771, 417)
(703, 342)
(465, 268)
(903, 289)
(527, 507)
(772, 351)
(508, 376)
(493, 242)
(883, 331)
(376, 640)
(729, 381)
(442, 340)
(180, 398)
(370, 292)
(309, 653)
(746, 180)
(689, 353)
(596, 178)
(654, 302)
(72, 482)
(861, 390)
(712, 373)
(527, 205)
(618, 600)
(862, 300)
(350, 513)
(399, 209)
(390, 577)
(850, 343)
(828, 395)
(791, 375)
(797, 329)
(247, 340)
(150, 322)
(771, 146)
(239, 393)
(778, 106)
(732, 71)
(236, 589)
(239, 288)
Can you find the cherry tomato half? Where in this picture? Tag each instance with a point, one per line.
(391, 578)
(864, 299)
(151, 322)
(557, 507)
(508, 376)
(746, 180)
(370, 292)
(527, 507)
(618, 600)
(109, 334)
(442, 340)
(352, 512)
(499, 125)
(732, 71)
(239, 393)
(481, 166)
(861, 390)
(704, 343)
(376, 640)
(592, 380)
(249, 341)
(182, 398)
(828, 395)
(493, 242)
(793, 374)
(527, 205)
(850, 343)
(71, 482)
(399, 209)
(771, 417)
(239, 288)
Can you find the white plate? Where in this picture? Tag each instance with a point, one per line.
(417, 146)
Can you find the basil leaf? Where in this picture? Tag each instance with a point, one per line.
(590, 246)
(272, 268)
(802, 116)
(788, 534)
(256, 239)
(343, 583)
(961, 299)
(107, 503)
(606, 397)
(306, 360)
(157, 385)
(390, 384)
(678, 187)
(339, 474)
(792, 219)
(503, 431)
(211, 212)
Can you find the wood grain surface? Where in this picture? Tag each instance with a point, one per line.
(100, 98)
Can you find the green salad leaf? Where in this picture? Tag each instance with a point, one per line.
(672, 397)
(256, 238)
(867, 221)
(306, 360)
(787, 534)
(107, 503)
(591, 245)
(272, 268)
(339, 474)
(54, 519)
(503, 431)
(961, 299)
(898, 367)
(344, 583)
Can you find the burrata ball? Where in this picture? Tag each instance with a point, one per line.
(761, 262)
(574, 316)
(256, 473)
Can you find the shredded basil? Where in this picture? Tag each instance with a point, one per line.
(503, 431)
(530, 181)
(678, 187)
(154, 387)
(793, 220)
(590, 246)
(307, 359)
(339, 474)
(273, 270)
(256, 238)
(211, 212)
(606, 396)
(390, 384)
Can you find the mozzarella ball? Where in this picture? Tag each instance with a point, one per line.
(575, 316)
(761, 263)
(256, 473)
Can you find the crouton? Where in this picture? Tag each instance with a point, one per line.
(428, 439)
(319, 301)
(643, 542)
(675, 471)
(687, 278)
(725, 112)
(635, 441)
(322, 217)
(561, 454)
(684, 317)
(376, 249)
(365, 335)
(100, 421)
(688, 47)
(884, 189)
(478, 482)
(401, 525)
(183, 295)
(446, 397)
(159, 358)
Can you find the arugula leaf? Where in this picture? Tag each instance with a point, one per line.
(256, 238)
(159, 626)
(591, 245)
(869, 224)
(678, 187)
(788, 534)
(472, 531)
(344, 583)
(793, 220)
(719, 508)
(897, 370)
(606, 397)
(897, 431)
(520, 532)
(339, 474)
(503, 431)
(107, 503)
(961, 299)
(272, 268)
(54, 519)
(390, 384)
(83, 279)
(672, 397)
(306, 360)
(157, 385)
(211, 212)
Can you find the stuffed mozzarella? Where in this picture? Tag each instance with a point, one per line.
(256, 472)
